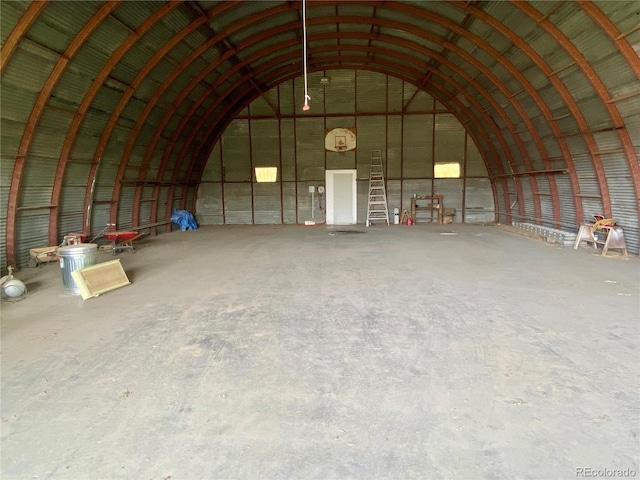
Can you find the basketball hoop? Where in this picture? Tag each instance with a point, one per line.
(340, 139)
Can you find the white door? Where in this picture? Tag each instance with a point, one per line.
(341, 197)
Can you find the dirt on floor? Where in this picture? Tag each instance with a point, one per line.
(289, 352)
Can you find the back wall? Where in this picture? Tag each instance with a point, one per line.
(413, 131)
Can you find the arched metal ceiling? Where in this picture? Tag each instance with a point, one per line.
(547, 89)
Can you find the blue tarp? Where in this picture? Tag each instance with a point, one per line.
(183, 219)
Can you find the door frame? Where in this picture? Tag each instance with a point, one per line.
(329, 174)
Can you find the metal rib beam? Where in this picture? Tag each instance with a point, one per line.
(543, 158)
(34, 118)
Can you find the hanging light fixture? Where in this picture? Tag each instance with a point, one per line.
(305, 107)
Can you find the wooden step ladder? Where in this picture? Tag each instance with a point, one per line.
(377, 210)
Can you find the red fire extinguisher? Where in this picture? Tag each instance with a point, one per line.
(409, 221)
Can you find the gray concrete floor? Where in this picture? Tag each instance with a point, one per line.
(305, 352)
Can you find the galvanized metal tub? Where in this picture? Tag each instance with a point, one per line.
(75, 257)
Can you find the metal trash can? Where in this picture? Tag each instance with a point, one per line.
(75, 257)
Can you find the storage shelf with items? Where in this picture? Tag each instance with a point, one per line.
(432, 204)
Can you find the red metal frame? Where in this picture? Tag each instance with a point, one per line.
(562, 91)
(634, 63)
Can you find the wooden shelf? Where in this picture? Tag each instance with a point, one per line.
(428, 203)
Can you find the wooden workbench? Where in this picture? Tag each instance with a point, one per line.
(428, 203)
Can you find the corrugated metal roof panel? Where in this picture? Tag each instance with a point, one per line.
(16, 103)
(443, 9)
(10, 134)
(85, 143)
(4, 205)
(47, 140)
(155, 78)
(29, 67)
(623, 14)
(88, 62)
(633, 129)
(58, 24)
(607, 141)
(71, 87)
(403, 34)
(536, 77)
(230, 16)
(413, 20)
(578, 83)
(553, 149)
(157, 114)
(37, 180)
(106, 38)
(328, 28)
(209, 4)
(568, 125)
(184, 48)
(355, 10)
(595, 113)
(136, 57)
(71, 210)
(99, 218)
(125, 207)
(592, 42)
(10, 13)
(509, 15)
(176, 20)
(615, 73)
(132, 111)
(275, 40)
(32, 231)
(132, 14)
(265, 24)
(145, 214)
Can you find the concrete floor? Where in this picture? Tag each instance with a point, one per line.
(292, 352)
